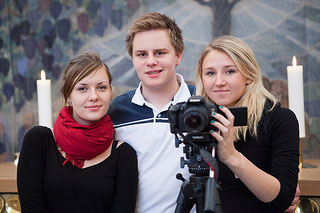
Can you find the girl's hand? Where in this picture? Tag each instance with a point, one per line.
(224, 135)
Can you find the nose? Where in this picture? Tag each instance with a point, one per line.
(93, 95)
(220, 81)
(151, 60)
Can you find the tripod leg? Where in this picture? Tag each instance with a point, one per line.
(212, 197)
(185, 202)
(200, 205)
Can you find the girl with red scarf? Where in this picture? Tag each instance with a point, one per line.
(77, 167)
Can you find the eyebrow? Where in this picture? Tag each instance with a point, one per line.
(231, 66)
(154, 50)
(137, 51)
(161, 49)
(101, 82)
(227, 66)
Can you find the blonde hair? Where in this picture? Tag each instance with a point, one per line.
(80, 67)
(156, 21)
(255, 94)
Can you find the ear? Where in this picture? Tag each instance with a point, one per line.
(178, 58)
(248, 82)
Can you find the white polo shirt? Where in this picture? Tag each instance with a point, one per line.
(147, 130)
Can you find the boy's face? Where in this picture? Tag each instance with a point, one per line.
(154, 59)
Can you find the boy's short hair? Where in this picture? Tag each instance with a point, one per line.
(156, 21)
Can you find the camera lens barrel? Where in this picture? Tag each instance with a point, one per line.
(195, 119)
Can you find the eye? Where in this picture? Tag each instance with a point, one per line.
(209, 72)
(81, 89)
(141, 54)
(230, 71)
(102, 87)
(159, 53)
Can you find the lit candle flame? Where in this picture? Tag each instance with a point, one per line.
(294, 61)
(43, 75)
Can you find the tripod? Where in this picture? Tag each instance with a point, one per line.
(200, 190)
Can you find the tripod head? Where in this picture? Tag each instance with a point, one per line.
(193, 144)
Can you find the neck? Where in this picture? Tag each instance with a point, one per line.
(160, 97)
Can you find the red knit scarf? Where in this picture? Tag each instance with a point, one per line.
(81, 142)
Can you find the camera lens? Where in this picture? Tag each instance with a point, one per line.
(193, 120)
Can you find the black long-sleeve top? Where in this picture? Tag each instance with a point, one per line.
(45, 185)
(275, 151)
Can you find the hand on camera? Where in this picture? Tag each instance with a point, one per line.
(224, 135)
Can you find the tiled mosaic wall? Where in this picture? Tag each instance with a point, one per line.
(44, 34)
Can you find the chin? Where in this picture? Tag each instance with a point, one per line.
(221, 103)
(94, 119)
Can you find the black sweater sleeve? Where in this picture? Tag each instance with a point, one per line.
(127, 180)
(30, 170)
(284, 138)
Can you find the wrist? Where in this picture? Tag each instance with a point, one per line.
(236, 163)
(233, 159)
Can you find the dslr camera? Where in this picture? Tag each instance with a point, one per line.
(194, 116)
(190, 122)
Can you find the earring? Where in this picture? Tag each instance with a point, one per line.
(69, 103)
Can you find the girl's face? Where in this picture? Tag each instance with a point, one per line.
(223, 82)
(91, 97)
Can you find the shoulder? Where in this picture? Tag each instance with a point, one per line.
(120, 103)
(123, 146)
(124, 98)
(123, 149)
(37, 139)
(38, 133)
(277, 118)
(125, 154)
(284, 114)
(123, 111)
(282, 122)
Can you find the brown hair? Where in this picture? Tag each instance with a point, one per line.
(255, 94)
(78, 68)
(156, 21)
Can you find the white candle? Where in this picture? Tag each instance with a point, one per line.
(44, 101)
(295, 93)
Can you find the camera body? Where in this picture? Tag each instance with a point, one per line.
(194, 116)
(190, 122)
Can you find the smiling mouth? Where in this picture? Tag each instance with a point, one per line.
(153, 72)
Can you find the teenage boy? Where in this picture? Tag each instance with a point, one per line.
(155, 45)
(140, 118)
